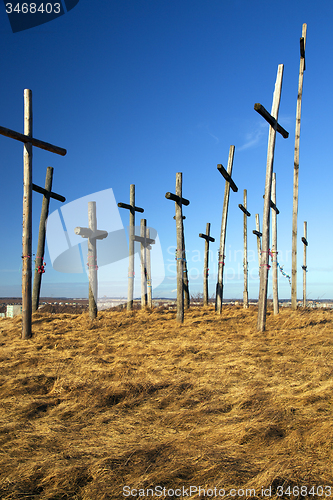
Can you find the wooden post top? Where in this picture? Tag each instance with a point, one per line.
(305, 241)
(271, 120)
(43, 191)
(86, 232)
(257, 233)
(243, 209)
(227, 177)
(206, 237)
(177, 199)
(130, 207)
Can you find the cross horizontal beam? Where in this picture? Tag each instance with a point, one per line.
(177, 199)
(35, 142)
(257, 233)
(143, 240)
(206, 237)
(273, 206)
(130, 207)
(43, 191)
(227, 177)
(302, 49)
(305, 241)
(271, 120)
(243, 209)
(86, 232)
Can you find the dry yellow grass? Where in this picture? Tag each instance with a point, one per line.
(134, 399)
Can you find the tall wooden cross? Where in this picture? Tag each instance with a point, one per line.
(145, 263)
(132, 209)
(39, 270)
(185, 273)
(274, 248)
(296, 171)
(93, 234)
(207, 239)
(229, 183)
(246, 215)
(304, 267)
(179, 202)
(258, 234)
(274, 127)
(28, 141)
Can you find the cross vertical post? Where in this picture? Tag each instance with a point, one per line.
(179, 202)
(149, 277)
(274, 249)
(228, 183)
(93, 234)
(259, 235)
(304, 267)
(296, 172)
(27, 216)
(274, 127)
(132, 209)
(185, 276)
(41, 235)
(207, 239)
(143, 228)
(246, 215)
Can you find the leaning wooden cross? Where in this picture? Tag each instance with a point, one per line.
(39, 270)
(296, 171)
(229, 183)
(132, 208)
(28, 141)
(274, 127)
(207, 239)
(145, 262)
(304, 267)
(246, 215)
(93, 234)
(179, 202)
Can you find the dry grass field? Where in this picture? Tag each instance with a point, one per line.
(137, 400)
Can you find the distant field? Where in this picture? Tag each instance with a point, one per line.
(137, 400)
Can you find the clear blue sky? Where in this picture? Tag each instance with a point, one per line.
(137, 90)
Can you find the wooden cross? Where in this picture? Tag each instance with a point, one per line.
(185, 273)
(229, 183)
(39, 270)
(28, 141)
(207, 239)
(145, 263)
(296, 171)
(274, 127)
(93, 234)
(179, 202)
(304, 267)
(132, 209)
(246, 215)
(274, 248)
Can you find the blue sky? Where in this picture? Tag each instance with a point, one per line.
(137, 90)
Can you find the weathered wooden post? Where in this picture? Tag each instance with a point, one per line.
(207, 239)
(274, 249)
(28, 141)
(258, 235)
(149, 277)
(185, 275)
(296, 171)
(246, 215)
(132, 208)
(304, 267)
(39, 270)
(93, 234)
(144, 252)
(179, 202)
(274, 127)
(229, 183)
